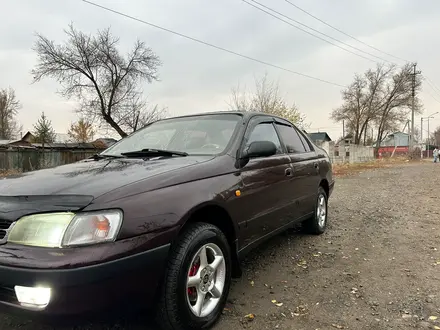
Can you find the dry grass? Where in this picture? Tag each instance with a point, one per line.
(5, 173)
(349, 169)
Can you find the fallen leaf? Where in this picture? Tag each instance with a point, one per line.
(337, 326)
(433, 318)
(250, 317)
(279, 304)
(302, 263)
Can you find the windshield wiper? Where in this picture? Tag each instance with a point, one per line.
(102, 156)
(153, 152)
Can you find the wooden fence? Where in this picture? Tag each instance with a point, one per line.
(23, 160)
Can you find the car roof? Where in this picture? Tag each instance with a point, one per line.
(245, 114)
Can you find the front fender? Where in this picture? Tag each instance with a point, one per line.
(169, 207)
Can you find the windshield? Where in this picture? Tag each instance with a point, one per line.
(198, 135)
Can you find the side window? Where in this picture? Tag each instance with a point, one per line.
(291, 139)
(264, 132)
(305, 142)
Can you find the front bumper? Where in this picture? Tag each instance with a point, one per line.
(87, 288)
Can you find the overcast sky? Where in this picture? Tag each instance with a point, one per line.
(195, 78)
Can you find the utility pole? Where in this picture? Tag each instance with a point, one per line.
(421, 135)
(343, 129)
(429, 140)
(413, 107)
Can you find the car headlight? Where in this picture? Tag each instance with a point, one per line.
(66, 229)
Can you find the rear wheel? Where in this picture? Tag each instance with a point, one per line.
(318, 222)
(197, 280)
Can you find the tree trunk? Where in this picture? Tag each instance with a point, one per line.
(365, 132)
(113, 124)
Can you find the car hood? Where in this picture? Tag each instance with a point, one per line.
(92, 177)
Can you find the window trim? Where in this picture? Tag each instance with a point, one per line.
(253, 122)
(311, 147)
(288, 124)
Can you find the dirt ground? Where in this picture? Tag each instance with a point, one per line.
(377, 266)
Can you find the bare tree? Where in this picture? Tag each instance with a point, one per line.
(361, 98)
(265, 98)
(9, 106)
(417, 135)
(378, 99)
(92, 69)
(354, 110)
(435, 137)
(138, 113)
(395, 102)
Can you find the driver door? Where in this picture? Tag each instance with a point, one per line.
(265, 184)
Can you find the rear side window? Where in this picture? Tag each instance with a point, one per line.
(291, 139)
(305, 142)
(264, 132)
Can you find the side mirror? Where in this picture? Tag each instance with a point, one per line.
(260, 149)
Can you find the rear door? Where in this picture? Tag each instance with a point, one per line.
(265, 183)
(304, 166)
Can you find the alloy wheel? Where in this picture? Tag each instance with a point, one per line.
(206, 280)
(321, 211)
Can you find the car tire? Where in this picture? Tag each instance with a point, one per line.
(317, 224)
(179, 303)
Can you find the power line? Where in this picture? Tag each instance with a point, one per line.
(212, 45)
(317, 31)
(432, 87)
(432, 96)
(431, 83)
(344, 33)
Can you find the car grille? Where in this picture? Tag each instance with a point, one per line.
(7, 294)
(5, 226)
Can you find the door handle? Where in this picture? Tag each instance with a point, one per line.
(288, 172)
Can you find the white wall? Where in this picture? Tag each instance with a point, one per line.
(351, 153)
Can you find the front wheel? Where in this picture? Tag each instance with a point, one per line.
(197, 279)
(318, 222)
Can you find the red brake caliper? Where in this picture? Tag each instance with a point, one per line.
(192, 272)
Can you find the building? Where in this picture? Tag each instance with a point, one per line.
(394, 144)
(348, 139)
(396, 139)
(319, 137)
(105, 142)
(59, 138)
(62, 142)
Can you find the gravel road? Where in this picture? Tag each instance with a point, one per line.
(377, 267)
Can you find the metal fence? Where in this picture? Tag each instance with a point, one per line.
(29, 160)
